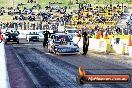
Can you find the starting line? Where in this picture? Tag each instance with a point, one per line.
(4, 79)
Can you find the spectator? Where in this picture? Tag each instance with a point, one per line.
(116, 36)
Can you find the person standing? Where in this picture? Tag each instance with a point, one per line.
(85, 42)
(117, 36)
(45, 42)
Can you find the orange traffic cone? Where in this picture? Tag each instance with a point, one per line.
(130, 41)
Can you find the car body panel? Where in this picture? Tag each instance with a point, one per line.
(32, 37)
(11, 37)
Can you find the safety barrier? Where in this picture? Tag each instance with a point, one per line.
(119, 49)
(130, 50)
(126, 49)
(100, 45)
(4, 80)
(123, 46)
(106, 45)
(23, 33)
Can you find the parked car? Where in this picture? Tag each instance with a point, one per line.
(32, 36)
(60, 43)
(11, 37)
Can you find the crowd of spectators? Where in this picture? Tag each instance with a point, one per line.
(101, 20)
(87, 14)
(2, 11)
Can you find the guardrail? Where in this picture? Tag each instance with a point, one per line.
(4, 80)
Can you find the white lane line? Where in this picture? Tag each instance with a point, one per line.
(4, 79)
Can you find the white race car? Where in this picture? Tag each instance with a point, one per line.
(32, 37)
(60, 43)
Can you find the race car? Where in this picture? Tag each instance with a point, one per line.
(60, 43)
(32, 36)
(11, 37)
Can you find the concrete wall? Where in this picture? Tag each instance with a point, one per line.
(4, 80)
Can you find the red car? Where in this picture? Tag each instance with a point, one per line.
(1, 37)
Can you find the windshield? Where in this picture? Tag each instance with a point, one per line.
(11, 34)
(71, 31)
(33, 33)
(62, 38)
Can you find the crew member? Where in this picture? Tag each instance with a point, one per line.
(45, 42)
(116, 36)
(85, 42)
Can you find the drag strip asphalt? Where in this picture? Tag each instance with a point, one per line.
(53, 71)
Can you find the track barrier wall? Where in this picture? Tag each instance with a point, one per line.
(130, 50)
(106, 45)
(4, 80)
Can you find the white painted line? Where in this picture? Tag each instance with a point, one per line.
(4, 79)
